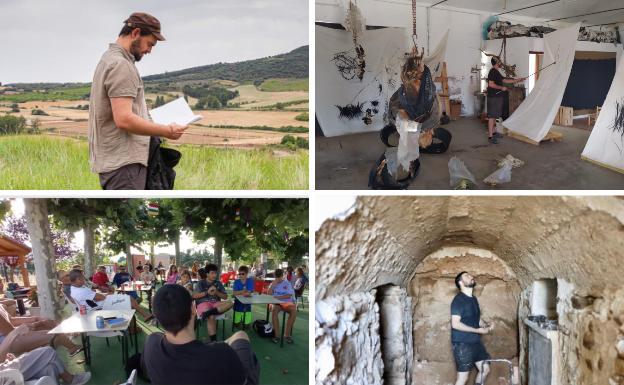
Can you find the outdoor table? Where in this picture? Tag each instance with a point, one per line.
(85, 324)
(268, 300)
(144, 288)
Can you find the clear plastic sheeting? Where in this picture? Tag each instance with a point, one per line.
(535, 116)
(459, 174)
(605, 145)
(503, 174)
(408, 150)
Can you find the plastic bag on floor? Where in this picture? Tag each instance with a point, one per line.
(461, 177)
(502, 175)
(515, 162)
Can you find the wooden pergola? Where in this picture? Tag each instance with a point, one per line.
(14, 253)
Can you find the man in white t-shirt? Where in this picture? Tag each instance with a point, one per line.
(82, 295)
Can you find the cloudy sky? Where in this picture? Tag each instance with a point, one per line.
(62, 41)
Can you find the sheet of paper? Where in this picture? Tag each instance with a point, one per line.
(177, 111)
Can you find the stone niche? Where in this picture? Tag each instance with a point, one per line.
(433, 288)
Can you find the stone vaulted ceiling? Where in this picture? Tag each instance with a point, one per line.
(579, 239)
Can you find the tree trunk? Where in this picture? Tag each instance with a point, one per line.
(36, 211)
(129, 259)
(177, 249)
(218, 252)
(151, 256)
(89, 249)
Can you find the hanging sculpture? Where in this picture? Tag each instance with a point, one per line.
(355, 23)
(414, 118)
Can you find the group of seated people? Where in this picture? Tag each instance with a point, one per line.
(25, 345)
(211, 298)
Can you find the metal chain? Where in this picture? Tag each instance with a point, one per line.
(414, 18)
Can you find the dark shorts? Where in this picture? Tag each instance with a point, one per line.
(495, 106)
(467, 354)
(249, 360)
(129, 177)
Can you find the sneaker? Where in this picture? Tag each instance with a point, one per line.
(81, 378)
(493, 140)
(498, 135)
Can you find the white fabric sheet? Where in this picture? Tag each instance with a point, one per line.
(605, 145)
(384, 50)
(535, 116)
(434, 61)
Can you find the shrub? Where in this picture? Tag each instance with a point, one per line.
(38, 111)
(12, 124)
(302, 117)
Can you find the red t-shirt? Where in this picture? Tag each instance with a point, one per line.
(100, 278)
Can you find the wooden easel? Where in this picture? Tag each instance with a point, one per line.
(444, 95)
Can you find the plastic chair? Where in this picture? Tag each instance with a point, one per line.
(220, 317)
(132, 380)
(299, 295)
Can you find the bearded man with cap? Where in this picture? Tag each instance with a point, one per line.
(119, 124)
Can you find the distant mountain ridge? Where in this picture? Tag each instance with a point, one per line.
(293, 64)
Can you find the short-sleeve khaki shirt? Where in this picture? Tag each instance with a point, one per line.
(110, 147)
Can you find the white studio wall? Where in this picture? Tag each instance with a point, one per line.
(605, 145)
(338, 89)
(534, 117)
(463, 26)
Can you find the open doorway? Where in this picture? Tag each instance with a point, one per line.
(433, 288)
(535, 63)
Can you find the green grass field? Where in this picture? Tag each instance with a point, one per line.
(62, 93)
(39, 162)
(283, 85)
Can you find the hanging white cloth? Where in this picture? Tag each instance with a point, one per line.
(605, 145)
(434, 61)
(535, 116)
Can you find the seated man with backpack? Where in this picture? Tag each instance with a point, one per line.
(176, 357)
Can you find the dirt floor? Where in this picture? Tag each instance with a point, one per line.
(345, 162)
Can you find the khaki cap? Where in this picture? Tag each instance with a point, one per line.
(146, 22)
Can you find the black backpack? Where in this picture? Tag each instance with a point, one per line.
(263, 328)
(162, 160)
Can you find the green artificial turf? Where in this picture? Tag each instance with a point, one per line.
(287, 365)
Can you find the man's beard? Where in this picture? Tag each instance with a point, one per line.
(471, 284)
(135, 50)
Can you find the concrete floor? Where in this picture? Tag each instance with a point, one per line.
(343, 163)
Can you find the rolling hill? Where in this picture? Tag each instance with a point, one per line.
(293, 64)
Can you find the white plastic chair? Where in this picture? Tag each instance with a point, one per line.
(15, 377)
(220, 317)
(132, 380)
